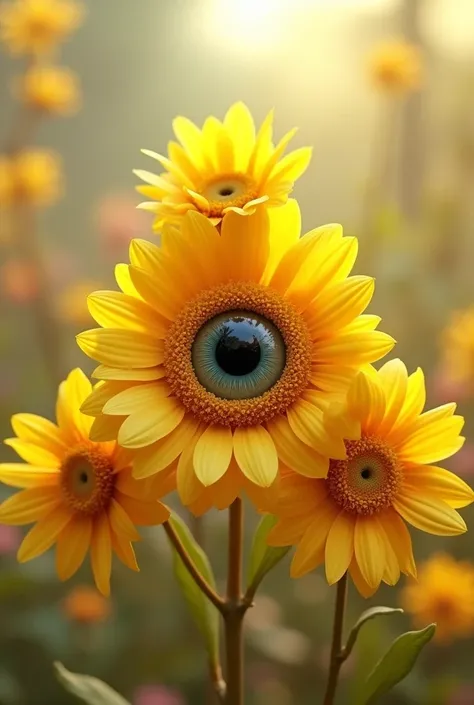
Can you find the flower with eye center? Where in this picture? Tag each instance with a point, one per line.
(87, 479)
(227, 191)
(368, 480)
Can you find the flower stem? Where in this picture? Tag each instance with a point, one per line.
(235, 609)
(217, 601)
(337, 652)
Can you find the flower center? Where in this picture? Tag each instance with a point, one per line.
(238, 355)
(368, 480)
(87, 479)
(228, 190)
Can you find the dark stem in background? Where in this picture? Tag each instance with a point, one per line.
(338, 654)
(235, 609)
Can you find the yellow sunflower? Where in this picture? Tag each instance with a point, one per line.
(224, 348)
(354, 519)
(223, 167)
(443, 594)
(79, 494)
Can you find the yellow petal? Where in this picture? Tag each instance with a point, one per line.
(356, 575)
(123, 279)
(334, 379)
(293, 452)
(29, 505)
(429, 480)
(307, 422)
(310, 551)
(429, 514)
(43, 534)
(100, 395)
(101, 553)
(121, 348)
(412, 406)
(189, 487)
(72, 545)
(24, 475)
(245, 245)
(149, 425)
(39, 431)
(127, 484)
(161, 454)
(159, 289)
(71, 394)
(339, 304)
(369, 550)
(112, 309)
(106, 428)
(394, 379)
(34, 454)
(285, 229)
(262, 148)
(179, 157)
(391, 574)
(339, 547)
(239, 123)
(212, 454)
(256, 454)
(135, 398)
(191, 138)
(433, 442)
(276, 155)
(120, 522)
(147, 374)
(400, 540)
(353, 348)
(125, 552)
(143, 513)
(288, 532)
(366, 401)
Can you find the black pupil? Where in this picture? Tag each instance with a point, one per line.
(226, 191)
(366, 473)
(83, 477)
(238, 350)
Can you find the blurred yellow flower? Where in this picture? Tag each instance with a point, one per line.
(457, 349)
(86, 605)
(354, 520)
(443, 594)
(79, 495)
(72, 303)
(396, 66)
(37, 26)
(31, 177)
(223, 167)
(19, 281)
(50, 89)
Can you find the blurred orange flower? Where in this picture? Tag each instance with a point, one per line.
(50, 89)
(72, 303)
(37, 26)
(443, 594)
(32, 177)
(457, 350)
(85, 604)
(396, 66)
(19, 281)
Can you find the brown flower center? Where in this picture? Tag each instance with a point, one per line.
(228, 190)
(368, 480)
(87, 479)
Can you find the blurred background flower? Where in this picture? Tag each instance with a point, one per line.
(157, 695)
(396, 66)
(49, 89)
(86, 605)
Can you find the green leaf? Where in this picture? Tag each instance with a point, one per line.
(91, 690)
(203, 611)
(262, 556)
(366, 617)
(396, 664)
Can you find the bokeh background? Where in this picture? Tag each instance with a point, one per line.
(393, 164)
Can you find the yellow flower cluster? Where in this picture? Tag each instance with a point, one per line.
(237, 359)
(49, 89)
(31, 177)
(457, 349)
(396, 67)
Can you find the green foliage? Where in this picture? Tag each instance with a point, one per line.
(202, 610)
(263, 557)
(396, 664)
(91, 690)
(366, 617)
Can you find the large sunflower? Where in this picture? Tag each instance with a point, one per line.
(79, 494)
(223, 167)
(224, 348)
(354, 519)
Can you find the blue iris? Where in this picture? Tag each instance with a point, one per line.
(238, 355)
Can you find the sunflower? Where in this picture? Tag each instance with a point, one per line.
(223, 167)
(78, 494)
(354, 519)
(224, 348)
(443, 594)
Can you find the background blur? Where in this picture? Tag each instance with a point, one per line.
(394, 167)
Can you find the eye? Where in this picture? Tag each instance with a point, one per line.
(238, 355)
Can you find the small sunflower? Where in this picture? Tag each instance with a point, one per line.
(223, 167)
(457, 349)
(396, 67)
(79, 494)
(37, 26)
(354, 519)
(224, 348)
(443, 594)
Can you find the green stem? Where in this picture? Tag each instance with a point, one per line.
(337, 653)
(235, 609)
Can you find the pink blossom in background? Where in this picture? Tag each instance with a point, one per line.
(61, 266)
(463, 696)
(463, 462)
(10, 539)
(446, 389)
(118, 221)
(157, 695)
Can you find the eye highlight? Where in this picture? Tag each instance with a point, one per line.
(238, 355)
